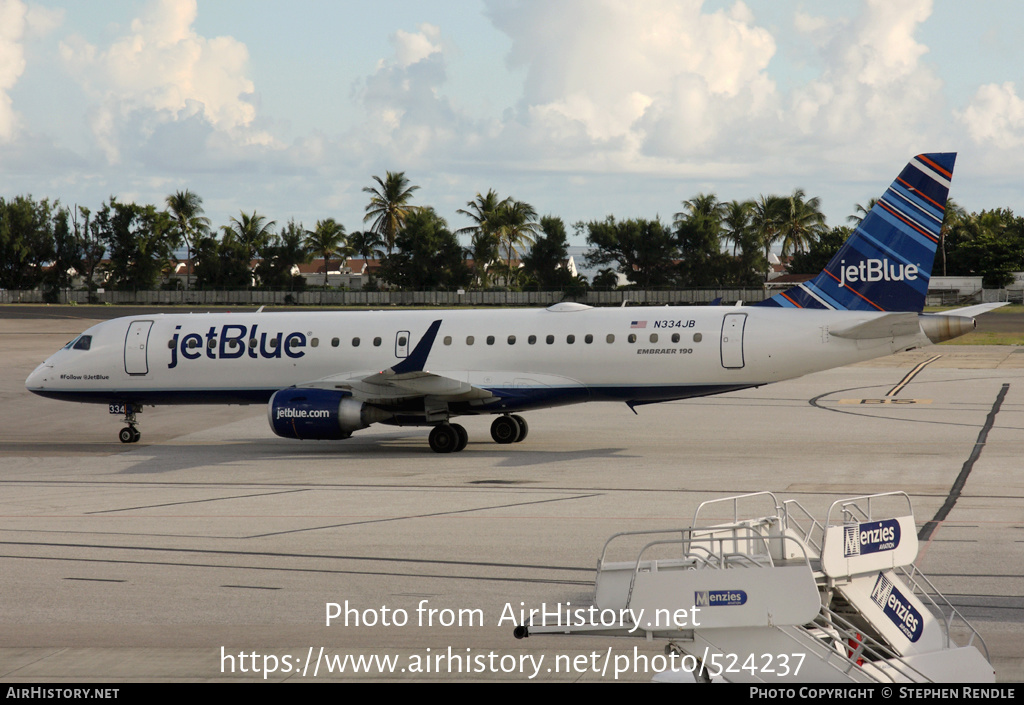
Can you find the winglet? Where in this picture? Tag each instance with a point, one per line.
(418, 358)
(887, 262)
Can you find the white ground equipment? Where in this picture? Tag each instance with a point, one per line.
(784, 598)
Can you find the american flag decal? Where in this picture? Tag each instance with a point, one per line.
(638, 324)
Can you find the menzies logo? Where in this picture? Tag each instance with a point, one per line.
(234, 341)
(719, 598)
(897, 608)
(864, 539)
(876, 270)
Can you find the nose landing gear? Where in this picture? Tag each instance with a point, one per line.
(128, 434)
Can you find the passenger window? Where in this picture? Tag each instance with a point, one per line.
(355, 342)
(252, 342)
(532, 340)
(192, 343)
(213, 343)
(570, 339)
(654, 337)
(335, 342)
(588, 339)
(490, 340)
(232, 344)
(469, 340)
(610, 338)
(315, 342)
(447, 340)
(550, 339)
(511, 340)
(632, 337)
(170, 344)
(675, 337)
(697, 337)
(376, 342)
(402, 340)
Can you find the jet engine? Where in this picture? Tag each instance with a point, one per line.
(939, 328)
(319, 414)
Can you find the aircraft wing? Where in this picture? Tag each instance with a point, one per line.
(390, 387)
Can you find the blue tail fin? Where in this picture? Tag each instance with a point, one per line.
(887, 262)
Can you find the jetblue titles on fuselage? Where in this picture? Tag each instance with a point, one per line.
(234, 341)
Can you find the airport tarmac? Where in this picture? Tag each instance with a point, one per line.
(212, 545)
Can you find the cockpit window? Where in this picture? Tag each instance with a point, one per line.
(84, 342)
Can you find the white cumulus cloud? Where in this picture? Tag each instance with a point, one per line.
(995, 116)
(12, 60)
(163, 71)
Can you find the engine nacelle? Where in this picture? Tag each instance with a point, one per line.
(939, 328)
(319, 414)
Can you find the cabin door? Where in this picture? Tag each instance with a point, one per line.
(136, 361)
(732, 340)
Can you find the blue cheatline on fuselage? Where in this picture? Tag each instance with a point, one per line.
(887, 262)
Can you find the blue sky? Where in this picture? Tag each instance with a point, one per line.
(584, 108)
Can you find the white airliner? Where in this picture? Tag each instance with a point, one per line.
(327, 374)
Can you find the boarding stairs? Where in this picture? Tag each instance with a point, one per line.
(747, 600)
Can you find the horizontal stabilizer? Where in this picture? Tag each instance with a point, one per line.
(975, 310)
(888, 326)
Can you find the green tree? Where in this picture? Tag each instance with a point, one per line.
(643, 250)
(221, 264)
(699, 229)
(140, 241)
(389, 206)
(801, 222)
(252, 232)
(26, 241)
(516, 227)
(546, 260)
(327, 241)
(427, 255)
(484, 243)
(186, 209)
(281, 255)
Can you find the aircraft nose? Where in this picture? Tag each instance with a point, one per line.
(39, 377)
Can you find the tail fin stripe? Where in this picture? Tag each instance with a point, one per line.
(918, 207)
(884, 250)
(926, 204)
(913, 227)
(948, 175)
(855, 292)
(820, 296)
(791, 300)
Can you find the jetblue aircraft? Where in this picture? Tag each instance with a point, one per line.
(325, 375)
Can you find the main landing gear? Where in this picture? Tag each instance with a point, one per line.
(448, 438)
(510, 428)
(452, 438)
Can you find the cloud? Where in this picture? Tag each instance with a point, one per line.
(874, 91)
(995, 116)
(661, 77)
(163, 71)
(12, 61)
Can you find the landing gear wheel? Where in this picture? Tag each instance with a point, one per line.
(444, 439)
(505, 429)
(136, 435)
(463, 437)
(129, 435)
(523, 427)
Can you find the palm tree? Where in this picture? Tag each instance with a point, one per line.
(389, 206)
(736, 220)
(516, 226)
(328, 240)
(801, 222)
(953, 216)
(367, 244)
(483, 234)
(861, 212)
(766, 217)
(186, 208)
(253, 232)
